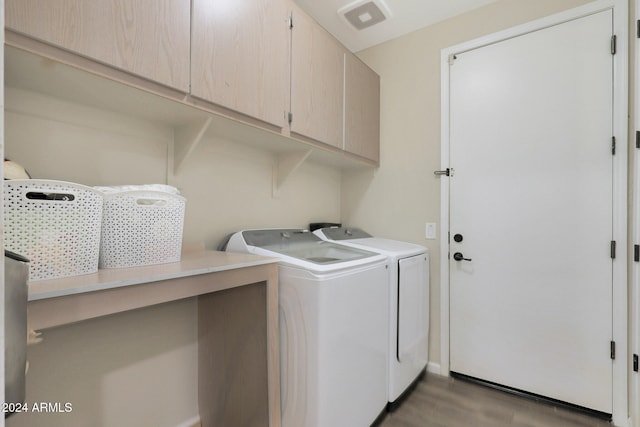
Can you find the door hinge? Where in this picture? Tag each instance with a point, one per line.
(290, 117)
(637, 139)
(290, 22)
(452, 58)
(613, 145)
(635, 363)
(636, 253)
(613, 249)
(614, 40)
(613, 350)
(638, 28)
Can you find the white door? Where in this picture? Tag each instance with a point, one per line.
(531, 199)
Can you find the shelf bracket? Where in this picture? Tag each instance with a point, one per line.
(286, 165)
(186, 139)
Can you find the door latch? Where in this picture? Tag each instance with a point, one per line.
(446, 172)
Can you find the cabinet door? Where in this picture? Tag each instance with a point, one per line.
(240, 56)
(317, 75)
(362, 109)
(149, 38)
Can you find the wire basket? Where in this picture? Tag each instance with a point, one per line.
(141, 228)
(55, 224)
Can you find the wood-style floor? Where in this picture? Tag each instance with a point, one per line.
(447, 402)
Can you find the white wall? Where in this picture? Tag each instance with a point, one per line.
(227, 185)
(403, 194)
(134, 368)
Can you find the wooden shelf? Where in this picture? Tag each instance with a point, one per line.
(192, 264)
(237, 320)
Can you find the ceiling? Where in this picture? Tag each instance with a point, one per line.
(404, 17)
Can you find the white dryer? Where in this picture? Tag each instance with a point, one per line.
(408, 300)
(334, 321)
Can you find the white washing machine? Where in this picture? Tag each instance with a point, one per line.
(408, 299)
(334, 322)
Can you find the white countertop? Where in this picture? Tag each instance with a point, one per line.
(191, 264)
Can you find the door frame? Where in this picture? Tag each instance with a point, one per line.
(620, 129)
(634, 285)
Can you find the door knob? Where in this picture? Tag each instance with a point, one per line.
(459, 257)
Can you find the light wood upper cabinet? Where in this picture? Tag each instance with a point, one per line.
(149, 38)
(240, 56)
(317, 74)
(362, 109)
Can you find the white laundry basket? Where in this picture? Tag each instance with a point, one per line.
(56, 224)
(141, 228)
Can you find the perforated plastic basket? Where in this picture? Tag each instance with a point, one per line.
(141, 228)
(55, 224)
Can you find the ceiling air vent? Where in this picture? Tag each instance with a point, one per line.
(365, 13)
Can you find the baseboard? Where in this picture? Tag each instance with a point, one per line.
(191, 422)
(433, 368)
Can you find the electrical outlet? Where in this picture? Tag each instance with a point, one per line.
(430, 230)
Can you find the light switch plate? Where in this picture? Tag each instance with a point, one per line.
(430, 230)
